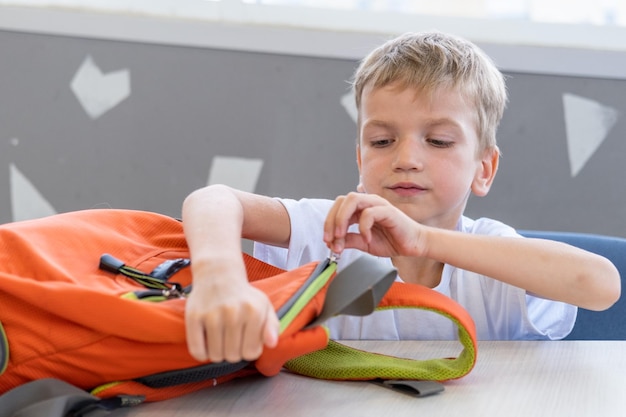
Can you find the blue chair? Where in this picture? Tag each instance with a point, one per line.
(595, 325)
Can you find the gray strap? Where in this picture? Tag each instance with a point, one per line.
(414, 388)
(48, 398)
(357, 289)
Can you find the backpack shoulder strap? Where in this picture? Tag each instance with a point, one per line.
(340, 362)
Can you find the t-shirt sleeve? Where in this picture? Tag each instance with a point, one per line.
(307, 218)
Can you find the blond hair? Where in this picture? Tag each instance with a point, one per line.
(433, 60)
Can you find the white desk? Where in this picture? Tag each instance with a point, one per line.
(529, 379)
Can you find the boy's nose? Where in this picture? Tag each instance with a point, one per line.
(408, 156)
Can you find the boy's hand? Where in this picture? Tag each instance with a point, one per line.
(384, 229)
(229, 321)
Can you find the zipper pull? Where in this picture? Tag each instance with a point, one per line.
(333, 257)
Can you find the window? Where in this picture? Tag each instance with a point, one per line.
(583, 24)
(598, 12)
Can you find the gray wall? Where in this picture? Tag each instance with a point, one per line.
(188, 105)
(534, 187)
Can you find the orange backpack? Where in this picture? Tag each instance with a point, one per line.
(96, 299)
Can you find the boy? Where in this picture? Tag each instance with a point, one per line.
(429, 105)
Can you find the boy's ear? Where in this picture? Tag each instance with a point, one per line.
(360, 188)
(486, 172)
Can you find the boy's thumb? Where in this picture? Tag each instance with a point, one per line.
(271, 329)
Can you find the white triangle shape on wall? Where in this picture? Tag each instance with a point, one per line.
(26, 201)
(239, 173)
(347, 101)
(587, 123)
(98, 92)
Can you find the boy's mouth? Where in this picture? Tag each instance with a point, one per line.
(406, 188)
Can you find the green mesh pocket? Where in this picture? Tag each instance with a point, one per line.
(341, 362)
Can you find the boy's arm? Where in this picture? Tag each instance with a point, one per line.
(548, 269)
(226, 318)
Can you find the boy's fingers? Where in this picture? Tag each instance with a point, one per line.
(232, 331)
(251, 344)
(233, 339)
(214, 336)
(260, 334)
(367, 221)
(345, 213)
(330, 222)
(196, 340)
(356, 241)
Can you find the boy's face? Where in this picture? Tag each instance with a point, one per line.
(420, 152)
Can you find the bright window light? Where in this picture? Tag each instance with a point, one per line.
(599, 12)
(596, 12)
(588, 24)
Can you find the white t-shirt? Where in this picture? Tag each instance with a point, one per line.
(500, 311)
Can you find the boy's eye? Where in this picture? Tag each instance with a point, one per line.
(438, 143)
(379, 143)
